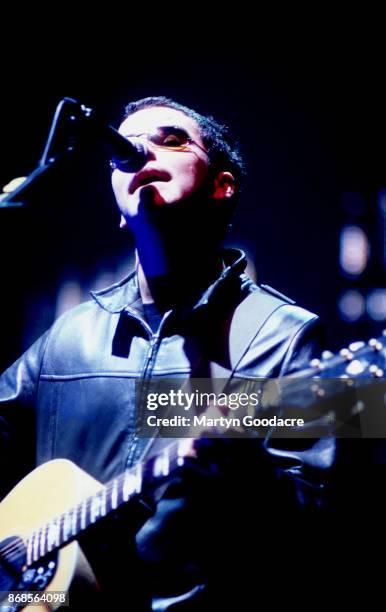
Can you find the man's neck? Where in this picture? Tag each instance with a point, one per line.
(144, 288)
(181, 284)
(178, 251)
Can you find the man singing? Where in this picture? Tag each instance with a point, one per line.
(187, 310)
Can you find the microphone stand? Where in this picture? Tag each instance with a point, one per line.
(69, 118)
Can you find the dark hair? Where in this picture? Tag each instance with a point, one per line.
(223, 149)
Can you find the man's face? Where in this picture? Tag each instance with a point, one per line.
(168, 176)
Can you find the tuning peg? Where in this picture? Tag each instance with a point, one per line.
(355, 346)
(375, 344)
(327, 355)
(318, 391)
(346, 354)
(317, 364)
(376, 371)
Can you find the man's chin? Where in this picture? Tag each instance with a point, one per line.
(150, 196)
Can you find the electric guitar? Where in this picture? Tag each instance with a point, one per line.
(43, 516)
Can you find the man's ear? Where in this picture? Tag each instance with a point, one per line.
(224, 186)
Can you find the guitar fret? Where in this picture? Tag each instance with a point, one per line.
(36, 545)
(29, 548)
(183, 448)
(66, 526)
(114, 494)
(53, 534)
(56, 531)
(166, 462)
(74, 520)
(129, 484)
(95, 507)
(161, 464)
(103, 502)
(43, 541)
(83, 512)
(138, 478)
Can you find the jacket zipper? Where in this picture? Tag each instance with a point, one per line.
(145, 376)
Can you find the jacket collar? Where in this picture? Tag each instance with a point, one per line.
(125, 294)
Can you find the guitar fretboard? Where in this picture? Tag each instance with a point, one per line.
(67, 526)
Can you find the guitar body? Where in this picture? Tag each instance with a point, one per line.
(50, 490)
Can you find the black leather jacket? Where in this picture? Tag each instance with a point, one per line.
(75, 386)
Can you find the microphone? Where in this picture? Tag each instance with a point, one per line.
(84, 123)
(126, 155)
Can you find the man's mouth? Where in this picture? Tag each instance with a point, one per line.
(146, 178)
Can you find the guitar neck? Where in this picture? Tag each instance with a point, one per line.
(66, 527)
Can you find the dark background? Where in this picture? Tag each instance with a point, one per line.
(312, 127)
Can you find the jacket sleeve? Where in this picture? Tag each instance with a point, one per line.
(305, 343)
(307, 462)
(18, 391)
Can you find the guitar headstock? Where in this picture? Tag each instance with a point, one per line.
(335, 388)
(358, 360)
